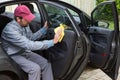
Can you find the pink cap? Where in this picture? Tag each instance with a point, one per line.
(24, 12)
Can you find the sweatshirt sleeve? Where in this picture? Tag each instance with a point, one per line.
(13, 36)
(38, 34)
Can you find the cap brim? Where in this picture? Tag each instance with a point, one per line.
(29, 18)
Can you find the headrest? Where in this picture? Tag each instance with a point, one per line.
(30, 6)
(2, 9)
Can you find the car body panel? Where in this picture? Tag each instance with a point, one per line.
(9, 67)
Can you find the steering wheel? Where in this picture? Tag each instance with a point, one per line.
(57, 19)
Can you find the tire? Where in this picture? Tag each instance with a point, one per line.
(5, 77)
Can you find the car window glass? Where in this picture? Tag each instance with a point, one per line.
(75, 16)
(103, 17)
(79, 20)
(57, 16)
(36, 13)
(9, 10)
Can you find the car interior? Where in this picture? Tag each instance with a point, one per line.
(62, 54)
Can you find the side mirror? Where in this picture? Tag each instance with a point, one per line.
(103, 24)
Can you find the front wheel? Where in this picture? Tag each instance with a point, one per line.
(5, 77)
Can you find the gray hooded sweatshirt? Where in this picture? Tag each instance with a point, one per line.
(16, 38)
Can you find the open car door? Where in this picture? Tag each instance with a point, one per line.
(70, 56)
(104, 37)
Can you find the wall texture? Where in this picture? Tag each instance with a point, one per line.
(85, 5)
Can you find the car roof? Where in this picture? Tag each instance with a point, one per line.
(3, 1)
(7, 1)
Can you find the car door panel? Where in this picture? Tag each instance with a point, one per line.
(104, 37)
(69, 54)
(100, 39)
(63, 53)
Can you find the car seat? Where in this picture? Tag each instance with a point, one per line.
(3, 19)
(30, 6)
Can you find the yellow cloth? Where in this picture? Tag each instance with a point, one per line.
(60, 27)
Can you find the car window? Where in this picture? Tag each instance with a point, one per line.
(57, 16)
(9, 10)
(81, 19)
(75, 16)
(36, 12)
(103, 17)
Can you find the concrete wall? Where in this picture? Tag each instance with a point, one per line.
(85, 5)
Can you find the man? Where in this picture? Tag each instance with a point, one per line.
(19, 41)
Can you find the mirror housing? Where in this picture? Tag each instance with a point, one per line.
(103, 24)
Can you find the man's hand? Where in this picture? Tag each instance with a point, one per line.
(46, 25)
(57, 36)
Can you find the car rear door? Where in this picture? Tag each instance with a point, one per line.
(103, 32)
(104, 37)
(70, 56)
